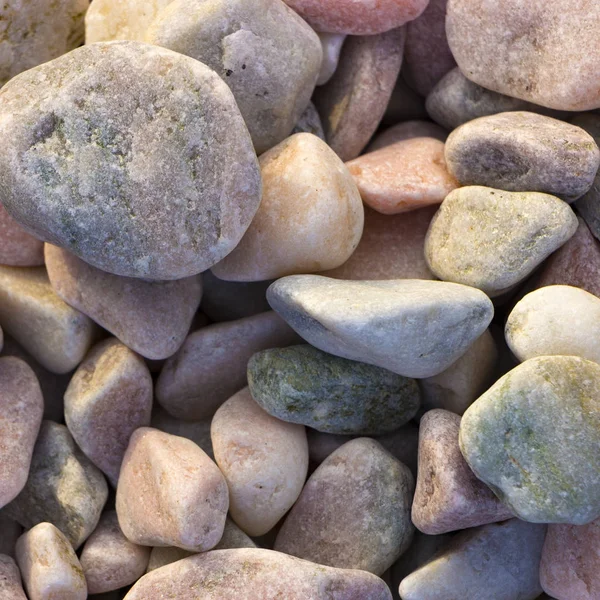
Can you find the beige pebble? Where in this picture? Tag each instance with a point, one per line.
(17, 247)
(10, 580)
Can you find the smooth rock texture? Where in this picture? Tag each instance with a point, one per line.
(533, 438)
(331, 45)
(448, 496)
(211, 365)
(109, 560)
(64, 488)
(152, 318)
(405, 131)
(196, 431)
(310, 122)
(267, 55)
(109, 397)
(355, 99)
(304, 385)
(49, 565)
(536, 51)
(81, 172)
(354, 511)
(310, 218)
(499, 561)
(10, 580)
(523, 151)
(463, 242)
(17, 247)
(170, 493)
(55, 334)
(411, 327)
(263, 460)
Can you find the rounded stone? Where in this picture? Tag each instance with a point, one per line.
(10, 580)
(331, 45)
(162, 192)
(17, 247)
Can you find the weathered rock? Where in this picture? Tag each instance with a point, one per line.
(211, 365)
(463, 243)
(304, 385)
(196, 431)
(80, 169)
(10, 580)
(310, 217)
(152, 318)
(331, 45)
(513, 438)
(17, 247)
(411, 327)
(310, 122)
(10, 531)
(170, 493)
(354, 511)
(406, 131)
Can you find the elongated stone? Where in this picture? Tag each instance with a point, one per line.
(10, 579)
(17, 247)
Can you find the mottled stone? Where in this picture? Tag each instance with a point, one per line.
(331, 45)
(49, 565)
(533, 438)
(196, 431)
(310, 122)
(537, 51)
(463, 243)
(211, 365)
(267, 55)
(64, 488)
(523, 151)
(80, 168)
(499, 561)
(109, 560)
(109, 397)
(10, 580)
(354, 511)
(55, 334)
(152, 318)
(10, 531)
(355, 99)
(17, 247)
(406, 131)
(411, 327)
(170, 493)
(310, 218)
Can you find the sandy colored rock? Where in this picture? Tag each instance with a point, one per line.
(17, 247)
(196, 431)
(463, 244)
(331, 45)
(355, 99)
(211, 365)
(310, 122)
(10, 580)
(170, 493)
(152, 318)
(10, 531)
(49, 565)
(263, 460)
(406, 131)
(80, 136)
(310, 218)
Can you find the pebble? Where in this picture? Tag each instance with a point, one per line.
(310, 122)
(406, 131)
(196, 431)
(354, 511)
(410, 327)
(304, 385)
(49, 565)
(331, 45)
(533, 438)
(499, 561)
(523, 151)
(464, 243)
(162, 223)
(109, 397)
(211, 365)
(64, 488)
(109, 560)
(152, 318)
(263, 460)
(10, 532)
(17, 247)
(310, 218)
(10, 580)
(267, 55)
(55, 334)
(545, 53)
(355, 99)
(170, 493)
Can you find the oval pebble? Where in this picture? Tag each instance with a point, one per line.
(10, 580)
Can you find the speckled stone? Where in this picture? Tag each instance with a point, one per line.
(267, 55)
(406, 131)
(211, 365)
(463, 244)
(196, 431)
(411, 327)
(354, 511)
(513, 438)
(302, 384)
(537, 51)
(310, 122)
(80, 136)
(170, 493)
(64, 488)
(17, 247)
(523, 151)
(49, 565)
(331, 45)
(499, 561)
(152, 318)
(310, 218)
(10, 580)
(109, 560)
(10, 531)
(355, 99)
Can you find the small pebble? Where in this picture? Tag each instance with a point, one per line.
(10, 580)
(331, 45)
(17, 247)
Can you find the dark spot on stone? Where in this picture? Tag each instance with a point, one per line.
(228, 72)
(244, 67)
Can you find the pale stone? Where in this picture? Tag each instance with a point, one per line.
(405, 131)
(10, 580)
(17, 247)
(331, 45)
